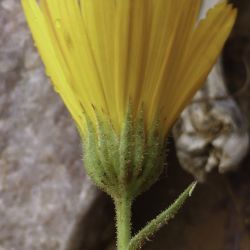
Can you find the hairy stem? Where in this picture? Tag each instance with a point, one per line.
(123, 222)
(143, 235)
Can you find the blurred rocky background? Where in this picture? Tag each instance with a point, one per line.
(44, 192)
(46, 200)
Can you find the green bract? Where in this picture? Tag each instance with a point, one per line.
(127, 163)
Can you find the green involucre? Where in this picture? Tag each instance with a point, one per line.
(127, 162)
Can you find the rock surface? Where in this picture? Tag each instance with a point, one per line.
(43, 187)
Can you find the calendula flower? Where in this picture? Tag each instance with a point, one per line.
(125, 70)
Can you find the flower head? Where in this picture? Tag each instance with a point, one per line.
(118, 62)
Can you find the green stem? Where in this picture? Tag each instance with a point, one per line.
(123, 222)
(143, 235)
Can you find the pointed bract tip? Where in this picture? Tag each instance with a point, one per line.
(192, 187)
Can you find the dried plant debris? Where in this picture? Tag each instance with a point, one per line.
(212, 131)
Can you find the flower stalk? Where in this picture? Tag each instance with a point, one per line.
(123, 222)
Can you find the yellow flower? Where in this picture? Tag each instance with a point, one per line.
(102, 55)
(123, 63)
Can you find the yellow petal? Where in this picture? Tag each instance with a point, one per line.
(202, 51)
(104, 55)
(55, 67)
